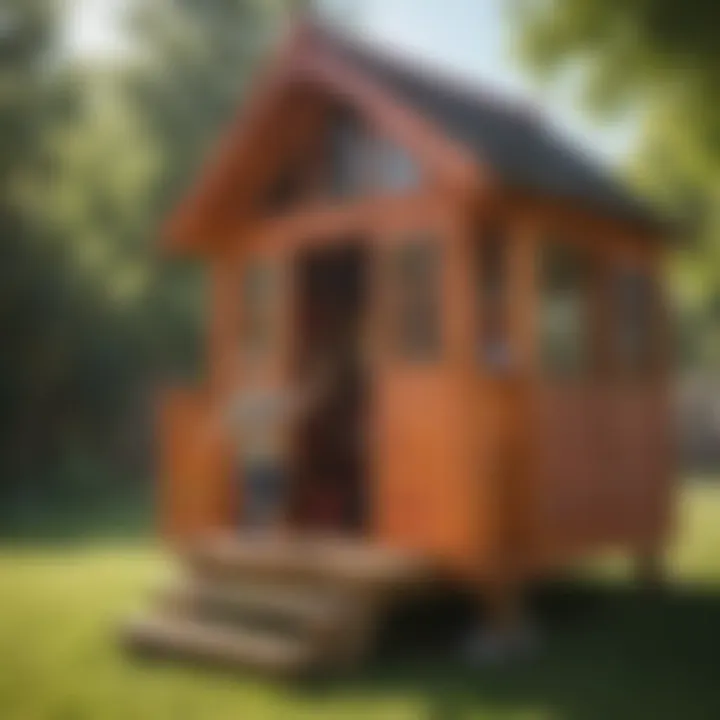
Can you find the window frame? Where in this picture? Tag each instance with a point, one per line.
(492, 267)
(631, 312)
(365, 161)
(574, 298)
(416, 317)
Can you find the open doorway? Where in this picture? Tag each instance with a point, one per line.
(330, 474)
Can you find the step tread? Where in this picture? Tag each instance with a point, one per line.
(316, 607)
(339, 561)
(237, 647)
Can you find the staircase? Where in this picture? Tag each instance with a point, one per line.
(278, 605)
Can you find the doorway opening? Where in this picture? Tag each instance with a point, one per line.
(331, 464)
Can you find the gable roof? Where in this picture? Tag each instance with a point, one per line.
(461, 131)
(512, 140)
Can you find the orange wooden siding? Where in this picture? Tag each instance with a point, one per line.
(479, 471)
(195, 473)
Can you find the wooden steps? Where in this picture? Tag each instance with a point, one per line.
(338, 562)
(278, 605)
(308, 608)
(196, 640)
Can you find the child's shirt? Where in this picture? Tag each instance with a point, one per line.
(260, 417)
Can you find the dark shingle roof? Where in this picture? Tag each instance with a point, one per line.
(512, 140)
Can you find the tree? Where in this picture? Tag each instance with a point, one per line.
(630, 49)
(194, 61)
(91, 159)
(188, 76)
(661, 59)
(28, 105)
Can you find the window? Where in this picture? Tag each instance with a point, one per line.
(258, 309)
(362, 162)
(416, 292)
(394, 169)
(491, 272)
(634, 301)
(349, 156)
(564, 312)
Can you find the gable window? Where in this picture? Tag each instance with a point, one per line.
(258, 309)
(491, 280)
(362, 162)
(634, 321)
(349, 156)
(415, 281)
(394, 169)
(564, 310)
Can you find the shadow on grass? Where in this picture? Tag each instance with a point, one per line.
(608, 653)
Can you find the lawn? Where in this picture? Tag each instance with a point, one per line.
(609, 653)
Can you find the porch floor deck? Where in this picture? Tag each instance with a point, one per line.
(338, 560)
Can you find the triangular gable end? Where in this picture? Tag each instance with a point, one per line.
(250, 156)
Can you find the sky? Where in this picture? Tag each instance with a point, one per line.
(469, 38)
(92, 28)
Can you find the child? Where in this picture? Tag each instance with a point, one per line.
(261, 415)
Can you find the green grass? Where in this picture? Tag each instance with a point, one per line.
(609, 653)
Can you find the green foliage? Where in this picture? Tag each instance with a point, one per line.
(92, 157)
(627, 47)
(193, 63)
(659, 59)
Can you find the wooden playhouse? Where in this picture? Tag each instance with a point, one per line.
(511, 413)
